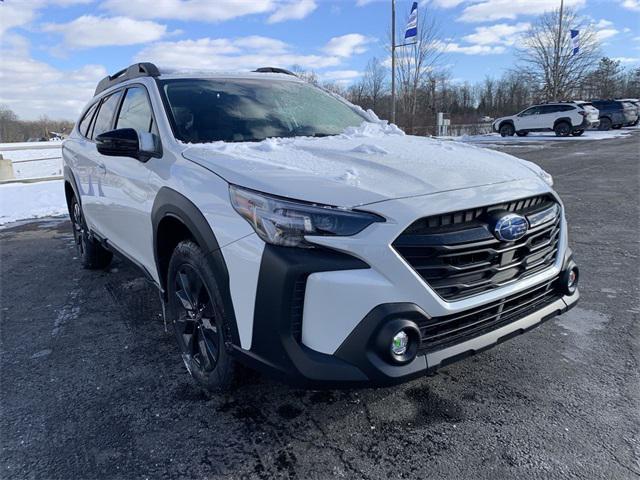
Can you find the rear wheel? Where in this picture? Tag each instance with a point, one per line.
(522, 133)
(577, 133)
(605, 124)
(507, 130)
(562, 129)
(198, 315)
(92, 254)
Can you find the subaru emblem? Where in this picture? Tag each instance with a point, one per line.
(511, 227)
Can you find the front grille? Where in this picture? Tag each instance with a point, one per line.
(441, 332)
(458, 255)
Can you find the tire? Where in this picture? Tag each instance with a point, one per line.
(605, 124)
(507, 130)
(92, 255)
(577, 133)
(199, 321)
(562, 129)
(522, 133)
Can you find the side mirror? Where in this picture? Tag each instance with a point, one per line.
(126, 142)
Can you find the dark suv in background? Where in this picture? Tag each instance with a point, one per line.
(615, 114)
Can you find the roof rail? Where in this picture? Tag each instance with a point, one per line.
(136, 70)
(274, 70)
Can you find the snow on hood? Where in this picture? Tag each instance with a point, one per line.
(370, 163)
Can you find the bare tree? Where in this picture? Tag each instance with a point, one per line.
(374, 80)
(547, 53)
(307, 75)
(415, 63)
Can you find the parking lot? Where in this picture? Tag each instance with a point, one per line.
(93, 386)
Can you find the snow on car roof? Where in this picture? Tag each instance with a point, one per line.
(172, 73)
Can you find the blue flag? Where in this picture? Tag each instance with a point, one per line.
(411, 33)
(575, 40)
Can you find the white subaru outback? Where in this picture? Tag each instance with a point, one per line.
(292, 232)
(563, 118)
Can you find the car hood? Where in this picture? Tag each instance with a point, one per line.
(371, 163)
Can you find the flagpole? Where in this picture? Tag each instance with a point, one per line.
(393, 61)
(556, 77)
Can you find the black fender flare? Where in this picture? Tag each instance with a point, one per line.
(506, 122)
(70, 178)
(562, 119)
(170, 203)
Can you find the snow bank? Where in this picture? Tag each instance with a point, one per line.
(20, 201)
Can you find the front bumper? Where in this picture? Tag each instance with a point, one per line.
(305, 322)
(278, 350)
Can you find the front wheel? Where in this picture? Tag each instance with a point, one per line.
(92, 255)
(507, 130)
(562, 129)
(199, 320)
(577, 133)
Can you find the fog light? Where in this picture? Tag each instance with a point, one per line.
(572, 280)
(569, 279)
(400, 343)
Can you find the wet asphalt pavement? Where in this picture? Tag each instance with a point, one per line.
(93, 387)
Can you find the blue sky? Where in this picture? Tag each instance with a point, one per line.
(54, 51)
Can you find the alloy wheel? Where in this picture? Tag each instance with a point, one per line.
(78, 227)
(195, 324)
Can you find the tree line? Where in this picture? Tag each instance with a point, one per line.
(12, 129)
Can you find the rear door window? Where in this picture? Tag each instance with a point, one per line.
(104, 118)
(83, 126)
(135, 111)
(531, 111)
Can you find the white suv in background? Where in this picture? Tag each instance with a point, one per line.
(291, 231)
(563, 118)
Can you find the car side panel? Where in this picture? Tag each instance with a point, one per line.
(79, 154)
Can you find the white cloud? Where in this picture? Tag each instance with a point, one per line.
(605, 29)
(627, 60)
(15, 14)
(89, 31)
(33, 88)
(211, 10)
(347, 45)
(295, 10)
(340, 75)
(246, 53)
(447, 3)
(631, 5)
(453, 47)
(498, 34)
(256, 42)
(489, 10)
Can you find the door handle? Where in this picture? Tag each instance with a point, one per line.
(102, 167)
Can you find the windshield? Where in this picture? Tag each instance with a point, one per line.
(252, 110)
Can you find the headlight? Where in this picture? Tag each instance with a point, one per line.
(285, 222)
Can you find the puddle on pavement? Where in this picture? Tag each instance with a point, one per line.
(580, 325)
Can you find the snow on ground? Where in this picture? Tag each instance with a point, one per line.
(542, 137)
(19, 201)
(34, 159)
